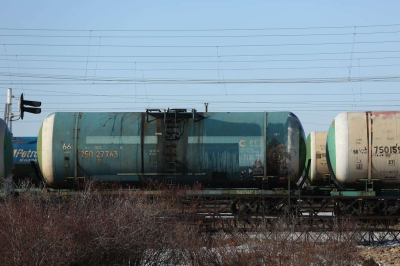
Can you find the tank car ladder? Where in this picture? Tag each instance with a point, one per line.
(173, 132)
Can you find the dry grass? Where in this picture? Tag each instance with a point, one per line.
(90, 228)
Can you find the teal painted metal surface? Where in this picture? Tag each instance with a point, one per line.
(351, 193)
(331, 150)
(240, 192)
(218, 149)
(6, 151)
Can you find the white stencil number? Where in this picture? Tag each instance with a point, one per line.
(66, 147)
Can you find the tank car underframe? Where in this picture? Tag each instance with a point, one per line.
(366, 219)
(310, 207)
(303, 229)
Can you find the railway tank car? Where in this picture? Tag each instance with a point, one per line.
(6, 151)
(364, 147)
(318, 171)
(24, 153)
(175, 146)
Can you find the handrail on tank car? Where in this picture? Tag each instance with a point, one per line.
(157, 113)
(152, 112)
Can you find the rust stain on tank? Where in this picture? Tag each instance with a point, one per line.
(384, 114)
(278, 159)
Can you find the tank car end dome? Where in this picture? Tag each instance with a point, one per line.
(297, 139)
(45, 149)
(345, 126)
(316, 151)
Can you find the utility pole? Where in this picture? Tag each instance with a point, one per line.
(206, 105)
(8, 109)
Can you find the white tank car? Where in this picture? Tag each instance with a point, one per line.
(316, 151)
(365, 145)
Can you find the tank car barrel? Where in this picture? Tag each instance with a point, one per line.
(176, 146)
(365, 146)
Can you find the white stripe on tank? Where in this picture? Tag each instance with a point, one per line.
(120, 139)
(154, 139)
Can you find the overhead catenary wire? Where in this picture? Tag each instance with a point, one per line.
(208, 29)
(211, 56)
(198, 61)
(201, 69)
(155, 100)
(81, 94)
(201, 46)
(118, 91)
(197, 36)
(378, 80)
(129, 80)
(238, 68)
(228, 108)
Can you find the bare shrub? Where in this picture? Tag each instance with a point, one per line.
(88, 228)
(93, 227)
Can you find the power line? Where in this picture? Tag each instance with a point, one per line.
(309, 104)
(202, 46)
(194, 30)
(198, 61)
(216, 95)
(322, 102)
(128, 80)
(80, 94)
(197, 36)
(201, 69)
(228, 108)
(208, 56)
(92, 83)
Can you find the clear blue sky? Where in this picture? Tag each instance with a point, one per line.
(58, 70)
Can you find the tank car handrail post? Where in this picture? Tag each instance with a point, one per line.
(75, 143)
(369, 146)
(176, 112)
(265, 177)
(152, 111)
